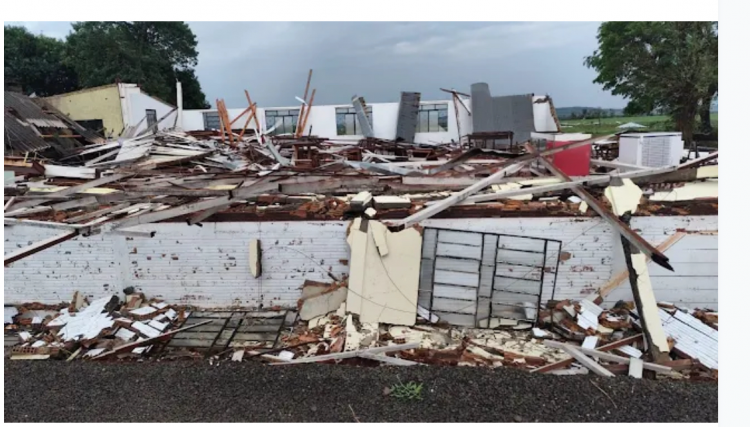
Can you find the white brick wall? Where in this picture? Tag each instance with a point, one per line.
(208, 266)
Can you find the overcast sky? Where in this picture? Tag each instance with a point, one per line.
(378, 60)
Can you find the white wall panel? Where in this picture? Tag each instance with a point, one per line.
(86, 264)
(208, 266)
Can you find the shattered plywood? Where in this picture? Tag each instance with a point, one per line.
(383, 287)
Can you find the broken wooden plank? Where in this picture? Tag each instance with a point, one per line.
(97, 213)
(9, 203)
(607, 347)
(130, 346)
(76, 203)
(350, 354)
(591, 179)
(235, 196)
(51, 171)
(39, 246)
(586, 361)
(459, 197)
(636, 368)
(608, 356)
(617, 279)
(25, 212)
(637, 241)
(75, 189)
(388, 360)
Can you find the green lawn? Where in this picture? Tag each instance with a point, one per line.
(609, 125)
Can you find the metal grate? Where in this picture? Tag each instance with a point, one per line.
(469, 277)
(259, 329)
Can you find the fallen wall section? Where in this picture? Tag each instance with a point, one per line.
(383, 273)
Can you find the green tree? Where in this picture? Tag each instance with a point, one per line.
(659, 65)
(36, 63)
(152, 54)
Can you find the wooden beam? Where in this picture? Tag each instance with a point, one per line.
(132, 345)
(613, 283)
(307, 113)
(459, 197)
(249, 116)
(633, 237)
(221, 121)
(297, 132)
(455, 92)
(245, 111)
(39, 246)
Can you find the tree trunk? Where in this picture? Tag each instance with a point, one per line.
(705, 109)
(685, 121)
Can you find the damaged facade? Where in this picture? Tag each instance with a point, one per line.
(377, 235)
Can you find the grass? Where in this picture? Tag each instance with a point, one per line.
(408, 391)
(609, 125)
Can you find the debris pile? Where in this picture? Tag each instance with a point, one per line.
(414, 293)
(103, 327)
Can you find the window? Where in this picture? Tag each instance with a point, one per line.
(433, 118)
(347, 123)
(211, 120)
(284, 120)
(151, 119)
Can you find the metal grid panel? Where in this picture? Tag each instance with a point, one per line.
(471, 276)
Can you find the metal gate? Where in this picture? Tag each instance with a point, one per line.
(470, 277)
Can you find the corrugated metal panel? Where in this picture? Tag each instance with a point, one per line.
(514, 113)
(481, 108)
(212, 266)
(408, 112)
(692, 337)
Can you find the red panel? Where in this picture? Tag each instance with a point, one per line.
(575, 162)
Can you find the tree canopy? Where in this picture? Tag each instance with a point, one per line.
(151, 54)
(36, 63)
(667, 65)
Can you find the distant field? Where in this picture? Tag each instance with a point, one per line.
(609, 125)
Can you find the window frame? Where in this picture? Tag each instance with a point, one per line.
(289, 120)
(350, 111)
(432, 111)
(209, 117)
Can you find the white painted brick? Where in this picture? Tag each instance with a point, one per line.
(211, 266)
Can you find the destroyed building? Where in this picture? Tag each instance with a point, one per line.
(376, 225)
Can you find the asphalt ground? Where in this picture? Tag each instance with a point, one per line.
(175, 391)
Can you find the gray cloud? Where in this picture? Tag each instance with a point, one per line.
(379, 59)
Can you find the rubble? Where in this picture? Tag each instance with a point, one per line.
(421, 294)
